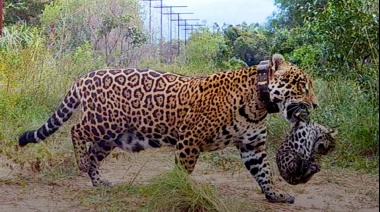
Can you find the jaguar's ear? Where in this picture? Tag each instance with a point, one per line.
(333, 132)
(279, 64)
(321, 147)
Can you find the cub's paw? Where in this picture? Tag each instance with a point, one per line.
(279, 196)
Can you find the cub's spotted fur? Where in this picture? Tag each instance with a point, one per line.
(298, 157)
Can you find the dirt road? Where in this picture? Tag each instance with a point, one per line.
(329, 190)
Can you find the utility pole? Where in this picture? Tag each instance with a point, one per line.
(171, 13)
(150, 18)
(161, 7)
(178, 29)
(191, 27)
(1, 17)
(186, 25)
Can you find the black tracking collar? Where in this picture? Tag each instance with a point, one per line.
(262, 86)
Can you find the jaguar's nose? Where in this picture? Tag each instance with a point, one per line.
(315, 106)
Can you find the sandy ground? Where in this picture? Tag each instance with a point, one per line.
(329, 190)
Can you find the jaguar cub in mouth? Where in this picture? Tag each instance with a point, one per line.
(298, 157)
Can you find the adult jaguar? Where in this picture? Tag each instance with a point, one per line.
(138, 109)
(298, 157)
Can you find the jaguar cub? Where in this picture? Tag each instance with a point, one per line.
(298, 157)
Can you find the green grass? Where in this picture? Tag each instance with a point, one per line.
(228, 159)
(174, 191)
(355, 114)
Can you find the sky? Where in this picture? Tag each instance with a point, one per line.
(225, 11)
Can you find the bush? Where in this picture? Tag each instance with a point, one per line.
(356, 115)
(115, 32)
(201, 51)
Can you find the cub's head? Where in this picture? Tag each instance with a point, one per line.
(325, 143)
(290, 88)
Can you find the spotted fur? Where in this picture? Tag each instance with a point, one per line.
(138, 109)
(298, 157)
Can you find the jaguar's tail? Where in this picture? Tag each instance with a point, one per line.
(56, 120)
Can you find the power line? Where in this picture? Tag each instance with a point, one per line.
(171, 13)
(186, 25)
(192, 27)
(161, 7)
(179, 20)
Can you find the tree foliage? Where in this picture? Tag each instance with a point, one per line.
(336, 41)
(349, 30)
(28, 11)
(339, 36)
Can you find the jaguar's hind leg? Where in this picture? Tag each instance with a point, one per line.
(187, 155)
(80, 148)
(97, 152)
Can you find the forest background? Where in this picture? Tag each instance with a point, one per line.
(47, 44)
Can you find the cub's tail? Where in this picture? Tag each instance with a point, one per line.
(56, 120)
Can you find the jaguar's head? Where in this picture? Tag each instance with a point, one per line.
(325, 143)
(290, 88)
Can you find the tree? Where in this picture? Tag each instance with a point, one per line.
(1, 17)
(292, 12)
(246, 43)
(28, 11)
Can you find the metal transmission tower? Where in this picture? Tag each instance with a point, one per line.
(150, 18)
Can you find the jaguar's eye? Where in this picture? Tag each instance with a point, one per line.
(303, 86)
(306, 89)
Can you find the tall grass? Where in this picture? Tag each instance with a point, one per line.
(355, 112)
(174, 191)
(32, 82)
